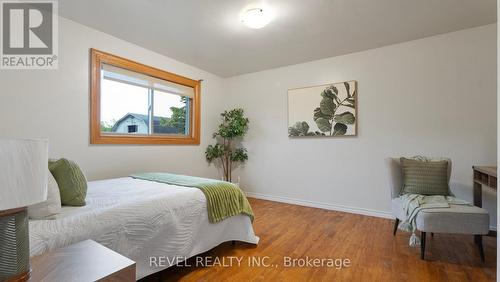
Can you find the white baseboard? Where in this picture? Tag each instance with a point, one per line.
(320, 205)
(326, 206)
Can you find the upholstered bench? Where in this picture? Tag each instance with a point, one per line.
(457, 219)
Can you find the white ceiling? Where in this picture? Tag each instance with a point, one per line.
(208, 34)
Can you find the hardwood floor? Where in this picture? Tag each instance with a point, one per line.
(374, 254)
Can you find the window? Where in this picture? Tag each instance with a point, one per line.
(132, 128)
(135, 104)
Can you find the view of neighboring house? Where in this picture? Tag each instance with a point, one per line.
(139, 124)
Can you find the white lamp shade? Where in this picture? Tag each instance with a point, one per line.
(23, 172)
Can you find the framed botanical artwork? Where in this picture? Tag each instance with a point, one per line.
(324, 110)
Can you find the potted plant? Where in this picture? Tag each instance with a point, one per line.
(226, 151)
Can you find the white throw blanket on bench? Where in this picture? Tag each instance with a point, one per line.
(414, 203)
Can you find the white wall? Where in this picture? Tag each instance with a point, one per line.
(435, 96)
(55, 104)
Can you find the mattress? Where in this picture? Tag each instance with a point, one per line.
(140, 219)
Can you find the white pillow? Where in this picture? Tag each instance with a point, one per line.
(51, 206)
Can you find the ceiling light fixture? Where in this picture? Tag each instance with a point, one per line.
(256, 18)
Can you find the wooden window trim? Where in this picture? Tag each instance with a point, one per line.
(97, 137)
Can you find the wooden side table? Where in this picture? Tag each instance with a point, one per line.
(483, 176)
(82, 262)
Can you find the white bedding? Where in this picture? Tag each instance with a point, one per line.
(140, 219)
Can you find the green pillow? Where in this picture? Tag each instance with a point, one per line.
(424, 177)
(71, 181)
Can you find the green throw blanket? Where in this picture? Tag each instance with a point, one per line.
(414, 203)
(224, 199)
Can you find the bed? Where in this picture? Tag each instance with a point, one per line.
(140, 219)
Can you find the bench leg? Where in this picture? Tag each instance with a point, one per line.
(422, 245)
(479, 242)
(396, 223)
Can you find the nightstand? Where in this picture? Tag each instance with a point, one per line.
(82, 262)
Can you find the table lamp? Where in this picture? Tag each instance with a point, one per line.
(23, 182)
